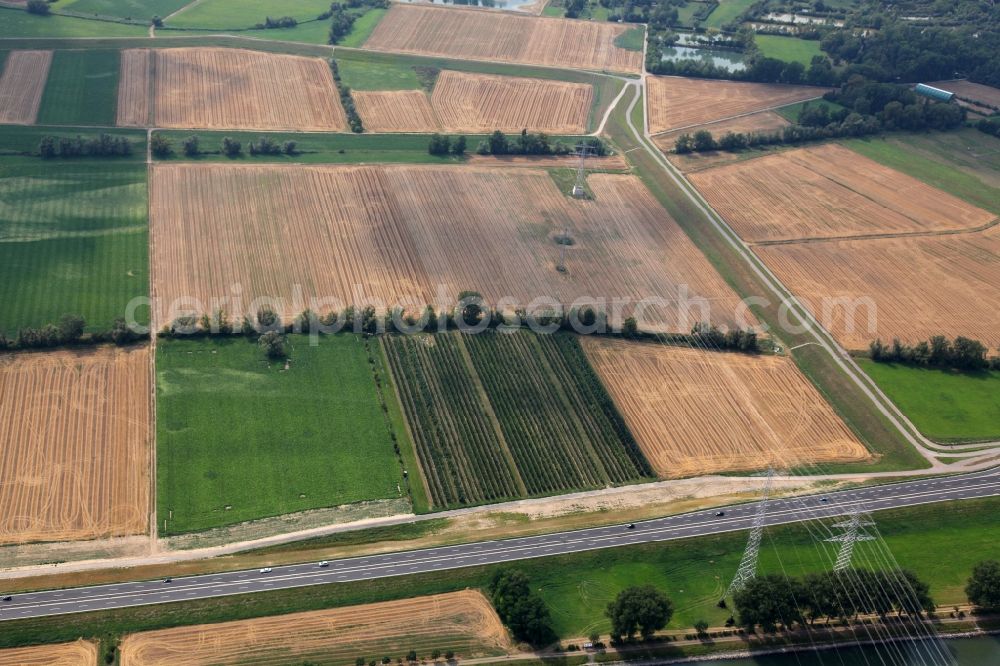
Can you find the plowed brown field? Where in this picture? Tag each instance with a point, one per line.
(919, 287)
(481, 103)
(80, 653)
(700, 412)
(977, 92)
(395, 111)
(21, 85)
(74, 428)
(134, 92)
(675, 102)
(829, 192)
(498, 36)
(216, 88)
(392, 232)
(464, 622)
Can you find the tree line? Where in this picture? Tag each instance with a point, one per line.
(530, 143)
(162, 147)
(346, 100)
(67, 331)
(938, 352)
(103, 145)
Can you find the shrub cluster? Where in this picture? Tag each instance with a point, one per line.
(103, 145)
(527, 143)
(265, 145)
(520, 607)
(342, 19)
(272, 23)
(989, 126)
(39, 7)
(443, 145)
(353, 119)
(938, 352)
(69, 330)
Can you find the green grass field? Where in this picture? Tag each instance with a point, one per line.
(965, 163)
(693, 572)
(234, 429)
(944, 405)
(82, 88)
(19, 23)
(364, 75)
(363, 27)
(728, 10)
(239, 15)
(73, 239)
(789, 49)
(632, 39)
(132, 9)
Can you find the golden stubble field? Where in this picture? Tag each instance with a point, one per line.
(75, 430)
(699, 412)
(829, 191)
(479, 103)
(22, 84)
(464, 622)
(390, 232)
(503, 37)
(675, 102)
(79, 653)
(219, 88)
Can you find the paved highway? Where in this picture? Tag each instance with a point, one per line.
(740, 517)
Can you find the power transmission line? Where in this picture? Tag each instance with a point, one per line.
(747, 570)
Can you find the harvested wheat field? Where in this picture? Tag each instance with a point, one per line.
(765, 121)
(135, 96)
(74, 430)
(395, 111)
(674, 102)
(217, 88)
(976, 92)
(701, 412)
(464, 622)
(499, 36)
(22, 84)
(80, 653)
(481, 103)
(915, 287)
(829, 192)
(394, 232)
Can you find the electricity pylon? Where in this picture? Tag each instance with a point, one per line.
(853, 533)
(580, 189)
(747, 570)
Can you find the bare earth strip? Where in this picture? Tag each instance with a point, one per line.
(464, 622)
(22, 84)
(395, 111)
(977, 92)
(498, 36)
(915, 287)
(421, 233)
(74, 432)
(80, 653)
(699, 412)
(829, 192)
(675, 102)
(215, 88)
(134, 102)
(480, 103)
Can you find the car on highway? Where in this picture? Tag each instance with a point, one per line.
(265, 570)
(720, 514)
(630, 526)
(823, 499)
(324, 564)
(8, 598)
(168, 580)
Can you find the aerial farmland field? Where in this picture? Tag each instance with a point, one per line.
(21, 85)
(701, 412)
(81, 89)
(411, 230)
(211, 88)
(75, 429)
(462, 622)
(675, 102)
(496, 36)
(79, 653)
(236, 430)
(829, 192)
(536, 420)
(395, 111)
(73, 240)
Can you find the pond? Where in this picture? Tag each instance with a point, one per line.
(528, 6)
(731, 61)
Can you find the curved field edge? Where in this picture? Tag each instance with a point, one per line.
(577, 587)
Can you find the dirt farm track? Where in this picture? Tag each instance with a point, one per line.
(697, 412)
(76, 428)
(464, 622)
(415, 234)
(500, 36)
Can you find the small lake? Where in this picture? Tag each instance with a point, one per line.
(512, 5)
(802, 20)
(978, 651)
(731, 61)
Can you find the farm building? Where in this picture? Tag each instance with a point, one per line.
(933, 93)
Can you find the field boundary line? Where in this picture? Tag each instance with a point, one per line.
(153, 485)
(508, 455)
(863, 237)
(737, 116)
